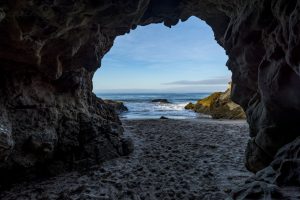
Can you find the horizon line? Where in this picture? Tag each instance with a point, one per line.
(141, 92)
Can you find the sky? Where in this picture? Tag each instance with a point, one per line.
(155, 58)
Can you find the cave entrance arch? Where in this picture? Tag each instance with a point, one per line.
(50, 50)
(49, 53)
(124, 53)
(156, 59)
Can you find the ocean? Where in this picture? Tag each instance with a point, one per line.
(140, 106)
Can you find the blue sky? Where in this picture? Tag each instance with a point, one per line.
(155, 58)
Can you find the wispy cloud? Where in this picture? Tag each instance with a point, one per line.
(213, 81)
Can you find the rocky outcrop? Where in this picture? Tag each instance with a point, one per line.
(49, 51)
(225, 108)
(118, 106)
(204, 105)
(160, 101)
(219, 106)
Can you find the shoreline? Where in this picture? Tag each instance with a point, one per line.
(208, 119)
(172, 159)
(196, 119)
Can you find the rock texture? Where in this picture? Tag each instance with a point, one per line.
(225, 108)
(219, 106)
(280, 180)
(204, 105)
(47, 132)
(49, 51)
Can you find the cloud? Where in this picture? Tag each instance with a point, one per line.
(213, 81)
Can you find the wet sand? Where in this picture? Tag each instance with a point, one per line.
(173, 159)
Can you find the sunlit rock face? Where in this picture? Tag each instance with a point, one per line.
(49, 51)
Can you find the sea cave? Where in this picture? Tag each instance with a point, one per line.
(52, 123)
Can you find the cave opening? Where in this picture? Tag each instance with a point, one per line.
(52, 123)
(174, 147)
(181, 64)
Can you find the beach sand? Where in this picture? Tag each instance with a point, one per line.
(173, 159)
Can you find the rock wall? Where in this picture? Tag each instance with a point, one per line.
(49, 51)
(261, 43)
(45, 131)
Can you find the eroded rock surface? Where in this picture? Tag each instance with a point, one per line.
(49, 51)
(46, 131)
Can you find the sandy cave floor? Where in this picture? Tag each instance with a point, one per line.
(173, 159)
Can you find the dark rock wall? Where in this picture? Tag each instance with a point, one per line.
(260, 43)
(49, 51)
(50, 120)
(47, 131)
